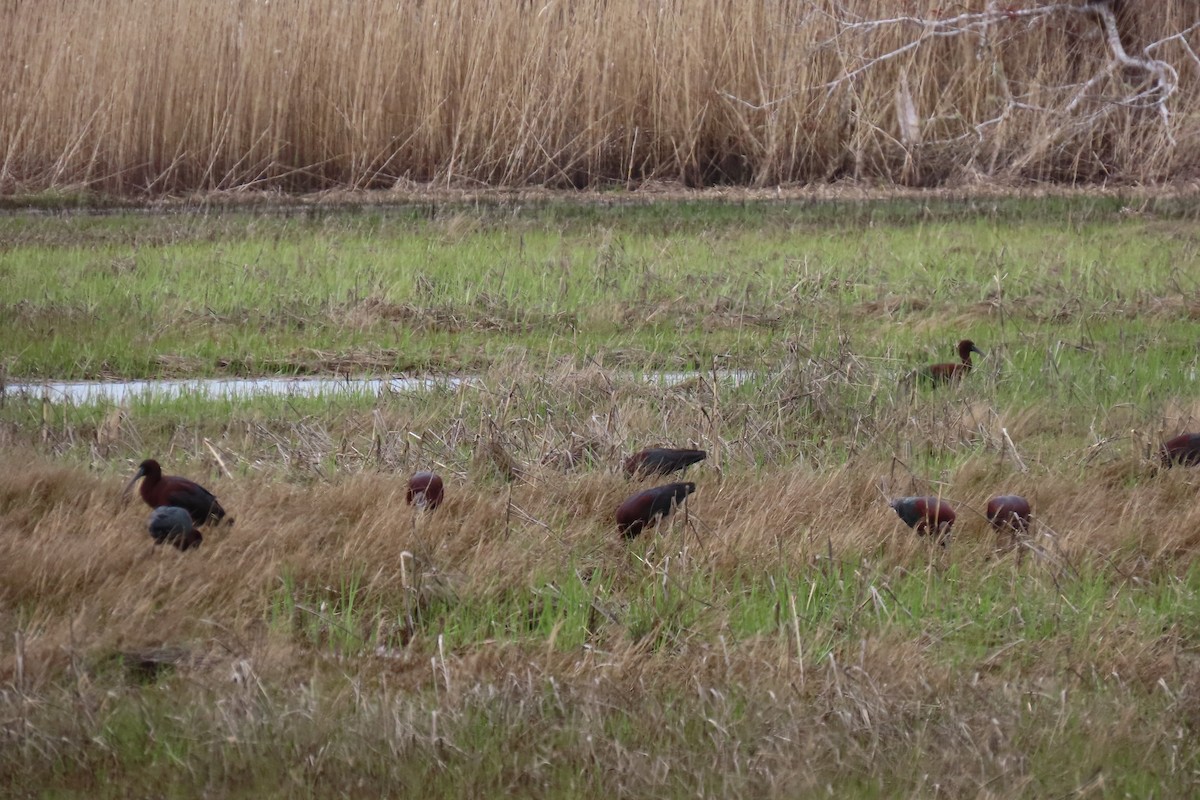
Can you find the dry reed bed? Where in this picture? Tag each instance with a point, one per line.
(606, 730)
(169, 97)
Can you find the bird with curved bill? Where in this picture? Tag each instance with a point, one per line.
(171, 490)
(952, 371)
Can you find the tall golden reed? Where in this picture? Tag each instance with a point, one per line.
(192, 95)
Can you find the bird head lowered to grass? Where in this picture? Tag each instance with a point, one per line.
(648, 507)
(1009, 512)
(425, 491)
(1183, 449)
(173, 525)
(926, 515)
(662, 460)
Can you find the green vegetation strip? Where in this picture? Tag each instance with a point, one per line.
(665, 286)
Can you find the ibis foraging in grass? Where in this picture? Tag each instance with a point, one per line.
(173, 525)
(926, 515)
(1183, 449)
(424, 491)
(1009, 512)
(646, 508)
(662, 460)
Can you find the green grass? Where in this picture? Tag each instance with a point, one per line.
(238, 293)
(1053, 712)
(962, 619)
(784, 637)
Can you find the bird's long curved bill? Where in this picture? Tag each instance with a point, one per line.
(129, 486)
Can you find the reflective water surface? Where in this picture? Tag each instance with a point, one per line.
(84, 392)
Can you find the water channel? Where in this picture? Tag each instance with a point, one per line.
(119, 392)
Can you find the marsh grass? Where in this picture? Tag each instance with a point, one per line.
(786, 613)
(782, 634)
(666, 288)
(244, 95)
(306, 647)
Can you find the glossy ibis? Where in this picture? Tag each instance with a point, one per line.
(944, 373)
(171, 490)
(662, 460)
(1009, 512)
(424, 490)
(926, 515)
(1183, 449)
(647, 508)
(173, 525)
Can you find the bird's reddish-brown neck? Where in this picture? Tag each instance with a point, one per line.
(151, 478)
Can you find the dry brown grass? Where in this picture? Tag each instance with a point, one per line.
(873, 659)
(109, 632)
(195, 96)
(74, 545)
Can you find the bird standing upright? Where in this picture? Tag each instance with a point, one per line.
(171, 490)
(950, 371)
(648, 507)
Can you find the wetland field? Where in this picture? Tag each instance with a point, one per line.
(781, 635)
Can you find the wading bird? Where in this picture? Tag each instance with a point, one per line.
(662, 460)
(171, 490)
(1009, 512)
(1183, 449)
(173, 525)
(944, 373)
(424, 491)
(647, 508)
(926, 515)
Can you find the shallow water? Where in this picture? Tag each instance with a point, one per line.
(88, 392)
(85, 392)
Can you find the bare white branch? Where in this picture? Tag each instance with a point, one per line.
(1180, 37)
(1163, 76)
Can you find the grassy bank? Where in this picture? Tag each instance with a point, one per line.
(786, 635)
(672, 286)
(783, 635)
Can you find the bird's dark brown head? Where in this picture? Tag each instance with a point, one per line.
(965, 348)
(148, 469)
